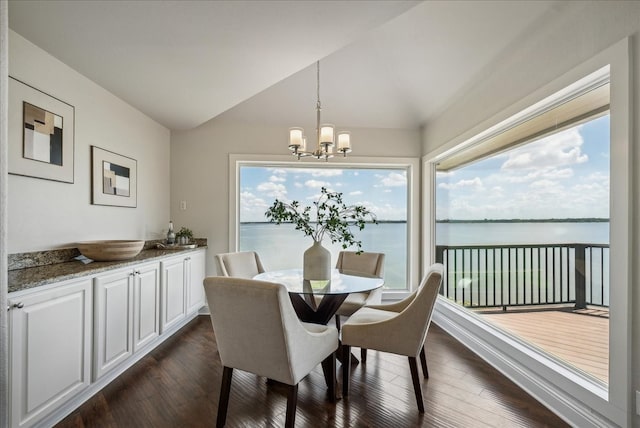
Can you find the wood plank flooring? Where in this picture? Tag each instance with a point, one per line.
(177, 385)
(579, 338)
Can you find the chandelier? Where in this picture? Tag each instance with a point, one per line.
(325, 136)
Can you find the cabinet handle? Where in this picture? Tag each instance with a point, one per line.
(137, 272)
(18, 305)
(188, 258)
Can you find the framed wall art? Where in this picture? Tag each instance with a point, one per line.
(113, 179)
(41, 134)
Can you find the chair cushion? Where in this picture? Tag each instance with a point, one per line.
(368, 315)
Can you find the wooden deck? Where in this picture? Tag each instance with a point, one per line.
(580, 338)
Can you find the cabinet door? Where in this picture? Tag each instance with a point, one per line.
(195, 289)
(113, 309)
(173, 293)
(146, 298)
(50, 349)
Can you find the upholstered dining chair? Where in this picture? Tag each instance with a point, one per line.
(258, 331)
(400, 328)
(243, 264)
(363, 264)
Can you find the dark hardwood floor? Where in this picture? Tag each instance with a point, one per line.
(177, 385)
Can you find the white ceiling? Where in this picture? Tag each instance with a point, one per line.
(389, 64)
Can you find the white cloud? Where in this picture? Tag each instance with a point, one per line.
(355, 193)
(276, 179)
(317, 172)
(476, 183)
(394, 179)
(316, 184)
(253, 207)
(546, 184)
(274, 190)
(278, 171)
(563, 148)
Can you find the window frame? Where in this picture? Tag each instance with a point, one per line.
(576, 398)
(411, 165)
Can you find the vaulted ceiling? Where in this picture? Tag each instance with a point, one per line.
(388, 64)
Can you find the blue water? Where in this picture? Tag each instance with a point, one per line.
(522, 233)
(281, 246)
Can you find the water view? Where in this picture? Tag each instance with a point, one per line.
(281, 246)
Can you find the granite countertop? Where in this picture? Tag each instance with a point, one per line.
(22, 279)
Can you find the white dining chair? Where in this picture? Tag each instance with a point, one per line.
(367, 264)
(258, 331)
(242, 264)
(400, 328)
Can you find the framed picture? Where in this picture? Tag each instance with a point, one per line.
(113, 179)
(41, 130)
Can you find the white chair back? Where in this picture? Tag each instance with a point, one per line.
(363, 264)
(243, 264)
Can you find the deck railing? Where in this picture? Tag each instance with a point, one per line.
(480, 276)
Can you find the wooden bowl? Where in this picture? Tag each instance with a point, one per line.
(109, 251)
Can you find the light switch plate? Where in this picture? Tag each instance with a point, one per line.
(183, 205)
(638, 403)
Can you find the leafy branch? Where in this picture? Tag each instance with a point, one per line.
(332, 218)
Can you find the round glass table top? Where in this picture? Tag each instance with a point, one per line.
(339, 283)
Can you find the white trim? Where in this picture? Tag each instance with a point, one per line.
(4, 116)
(413, 208)
(576, 399)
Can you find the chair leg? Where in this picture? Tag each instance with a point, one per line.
(292, 403)
(329, 370)
(413, 365)
(363, 355)
(423, 361)
(223, 403)
(338, 322)
(346, 368)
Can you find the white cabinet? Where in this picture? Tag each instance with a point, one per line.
(146, 300)
(173, 292)
(50, 349)
(113, 309)
(70, 339)
(182, 290)
(126, 315)
(196, 274)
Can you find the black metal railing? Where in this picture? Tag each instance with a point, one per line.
(480, 276)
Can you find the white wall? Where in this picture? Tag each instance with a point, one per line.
(46, 214)
(200, 165)
(572, 34)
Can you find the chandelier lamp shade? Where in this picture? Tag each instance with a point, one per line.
(325, 134)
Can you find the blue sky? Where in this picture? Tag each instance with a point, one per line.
(565, 175)
(384, 191)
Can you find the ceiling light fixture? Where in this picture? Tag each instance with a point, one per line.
(325, 136)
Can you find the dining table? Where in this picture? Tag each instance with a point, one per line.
(316, 301)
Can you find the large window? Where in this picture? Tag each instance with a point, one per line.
(383, 190)
(524, 235)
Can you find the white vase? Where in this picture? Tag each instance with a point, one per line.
(316, 263)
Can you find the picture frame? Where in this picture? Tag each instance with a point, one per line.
(41, 134)
(113, 179)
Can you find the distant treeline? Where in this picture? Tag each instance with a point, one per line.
(379, 221)
(530, 220)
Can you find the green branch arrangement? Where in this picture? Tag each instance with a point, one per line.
(333, 218)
